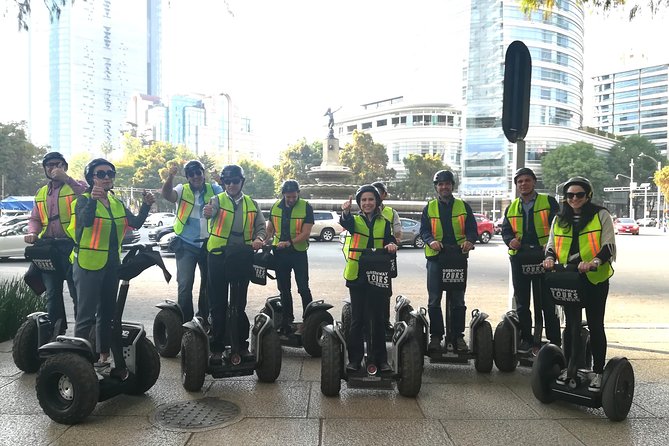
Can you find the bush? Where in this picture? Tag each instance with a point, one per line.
(17, 301)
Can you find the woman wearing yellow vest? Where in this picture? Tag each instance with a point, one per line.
(368, 229)
(583, 234)
(98, 225)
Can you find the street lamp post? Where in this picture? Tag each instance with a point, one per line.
(631, 188)
(659, 167)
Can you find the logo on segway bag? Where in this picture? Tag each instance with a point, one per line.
(44, 264)
(565, 295)
(453, 275)
(533, 270)
(379, 279)
(260, 271)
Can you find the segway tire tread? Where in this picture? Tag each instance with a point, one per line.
(331, 365)
(346, 317)
(269, 366)
(484, 348)
(547, 367)
(312, 331)
(167, 332)
(147, 367)
(503, 351)
(24, 348)
(410, 369)
(193, 361)
(618, 389)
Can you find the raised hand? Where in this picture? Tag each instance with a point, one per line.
(148, 198)
(98, 193)
(346, 206)
(207, 211)
(173, 170)
(59, 174)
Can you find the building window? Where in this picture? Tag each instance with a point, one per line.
(107, 36)
(366, 125)
(381, 122)
(350, 128)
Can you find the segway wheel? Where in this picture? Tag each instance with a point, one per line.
(147, 367)
(24, 349)
(269, 366)
(167, 332)
(193, 361)
(504, 352)
(313, 330)
(67, 388)
(332, 361)
(484, 347)
(548, 365)
(346, 317)
(421, 333)
(410, 369)
(617, 388)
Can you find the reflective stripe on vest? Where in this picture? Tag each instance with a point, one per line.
(65, 198)
(458, 217)
(220, 225)
(541, 208)
(92, 248)
(186, 203)
(589, 245)
(297, 216)
(359, 239)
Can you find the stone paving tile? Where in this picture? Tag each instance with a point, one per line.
(7, 366)
(653, 397)
(347, 432)
(279, 399)
(28, 430)
(6, 347)
(651, 371)
(640, 350)
(627, 432)
(508, 432)
(262, 431)
(7, 379)
(362, 403)
(311, 369)
(19, 397)
(465, 401)
(453, 373)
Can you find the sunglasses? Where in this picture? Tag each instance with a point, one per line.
(232, 181)
(101, 174)
(194, 173)
(55, 165)
(571, 195)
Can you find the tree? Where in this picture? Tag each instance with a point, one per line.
(152, 162)
(106, 148)
(527, 6)
(295, 161)
(577, 159)
(628, 149)
(20, 161)
(368, 160)
(76, 165)
(420, 170)
(259, 179)
(661, 178)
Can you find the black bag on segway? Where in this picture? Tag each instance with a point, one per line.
(263, 261)
(50, 255)
(530, 260)
(453, 265)
(238, 263)
(565, 285)
(375, 269)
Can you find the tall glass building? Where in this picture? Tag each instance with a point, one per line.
(556, 46)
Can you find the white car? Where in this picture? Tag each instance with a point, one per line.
(11, 241)
(159, 219)
(164, 243)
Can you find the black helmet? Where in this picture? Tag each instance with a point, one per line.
(290, 186)
(380, 187)
(442, 176)
(90, 167)
(53, 156)
(523, 171)
(581, 181)
(193, 165)
(367, 188)
(232, 171)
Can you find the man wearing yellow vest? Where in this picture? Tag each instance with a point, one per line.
(291, 220)
(235, 220)
(98, 225)
(446, 221)
(49, 219)
(582, 234)
(525, 229)
(190, 227)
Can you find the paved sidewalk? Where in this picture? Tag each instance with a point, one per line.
(456, 406)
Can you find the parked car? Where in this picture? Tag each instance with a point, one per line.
(11, 241)
(131, 236)
(164, 243)
(8, 221)
(647, 221)
(410, 234)
(156, 233)
(486, 228)
(159, 219)
(326, 226)
(626, 225)
(498, 225)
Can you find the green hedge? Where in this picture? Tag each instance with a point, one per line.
(17, 301)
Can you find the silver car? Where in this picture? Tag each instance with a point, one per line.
(410, 234)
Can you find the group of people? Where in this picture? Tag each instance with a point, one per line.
(218, 228)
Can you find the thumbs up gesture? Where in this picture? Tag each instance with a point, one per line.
(346, 206)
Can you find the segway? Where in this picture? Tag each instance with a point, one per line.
(617, 388)
(404, 357)
(196, 354)
(46, 256)
(68, 385)
(315, 317)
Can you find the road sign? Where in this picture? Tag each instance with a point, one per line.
(516, 100)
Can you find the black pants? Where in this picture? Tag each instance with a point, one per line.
(286, 260)
(367, 310)
(522, 284)
(595, 307)
(219, 288)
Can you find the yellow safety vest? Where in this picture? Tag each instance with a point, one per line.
(589, 245)
(542, 210)
(388, 214)
(66, 197)
(359, 239)
(186, 203)
(220, 225)
(91, 249)
(458, 217)
(297, 216)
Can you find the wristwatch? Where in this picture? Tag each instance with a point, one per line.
(596, 261)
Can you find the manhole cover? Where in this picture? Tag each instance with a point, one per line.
(196, 415)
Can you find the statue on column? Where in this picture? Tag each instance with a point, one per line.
(330, 114)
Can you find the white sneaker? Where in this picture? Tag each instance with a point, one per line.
(562, 379)
(596, 383)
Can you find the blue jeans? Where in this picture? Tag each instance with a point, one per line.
(455, 300)
(188, 257)
(55, 304)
